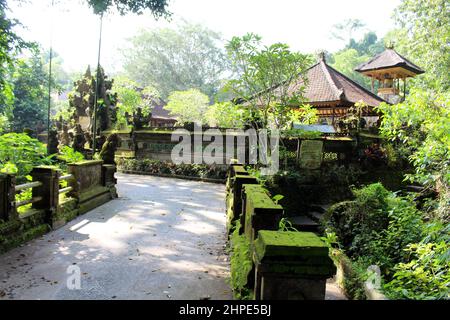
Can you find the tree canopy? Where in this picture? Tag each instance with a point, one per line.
(188, 106)
(189, 56)
(264, 76)
(424, 37)
(157, 7)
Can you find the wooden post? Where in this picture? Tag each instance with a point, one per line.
(7, 194)
(49, 191)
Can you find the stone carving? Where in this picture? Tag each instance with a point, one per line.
(88, 139)
(109, 149)
(78, 139)
(82, 100)
(64, 136)
(52, 145)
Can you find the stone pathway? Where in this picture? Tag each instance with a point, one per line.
(162, 239)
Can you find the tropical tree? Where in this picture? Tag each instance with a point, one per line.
(265, 77)
(188, 56)
(346, 61)
(130, 97)
(188, 106)
(345, 31)
(10, 45)
(225, 115)
(30, 94)
(157, 7)
(424, 37)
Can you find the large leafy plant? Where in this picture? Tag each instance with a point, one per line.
(421, 125)
(19, 153)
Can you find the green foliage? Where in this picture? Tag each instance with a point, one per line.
(167, 168)
(157, 7)
(345, 30)
(423, 37)
(376, 225)
(130, 98)
(420, 125)
(4, 124)
(347, 60)
(189, 56)
(63, 110)
(11, 45)
(425, 277)
(19, 154)
(69, 155)
(188, 106)
(225, 115)
(241, 264)
(30, 90)
(265, 76)
(286, 225)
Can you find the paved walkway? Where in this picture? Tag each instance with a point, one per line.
(162, 239)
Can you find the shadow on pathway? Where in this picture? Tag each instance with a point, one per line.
(162, 239)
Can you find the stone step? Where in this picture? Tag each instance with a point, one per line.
(304, 223)
(322, 208)
(315, 216)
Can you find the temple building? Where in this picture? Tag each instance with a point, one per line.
(332, 93)
(387, 69)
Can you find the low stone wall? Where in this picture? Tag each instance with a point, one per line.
(90, 184)
(268, 264)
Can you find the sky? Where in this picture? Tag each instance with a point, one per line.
(306, 25)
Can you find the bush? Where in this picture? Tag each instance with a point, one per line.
(19, 153)
(426, 274)
(160, 167)
(69, 155)
(376, 225)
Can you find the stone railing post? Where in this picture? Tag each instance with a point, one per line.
(108, 178)
(238, 176)
(260, 212)
(7, 194)
(48, 191)
(291, 266)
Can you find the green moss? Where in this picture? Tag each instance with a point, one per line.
(86, 163)
(259, 197)
(351, 276)
(241, 265)
(8, 243)
(289, 243)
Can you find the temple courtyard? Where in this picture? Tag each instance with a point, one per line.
(161, 239)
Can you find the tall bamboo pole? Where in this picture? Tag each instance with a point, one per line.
(50, 75)
(94, 140)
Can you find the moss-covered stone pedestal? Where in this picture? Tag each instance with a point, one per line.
(291, 266)
(234, 196)
(261, 213)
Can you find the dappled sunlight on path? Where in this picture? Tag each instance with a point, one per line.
(162, 239)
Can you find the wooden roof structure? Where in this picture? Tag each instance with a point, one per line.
(389, 64)
(331, 92)
(328, 87)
